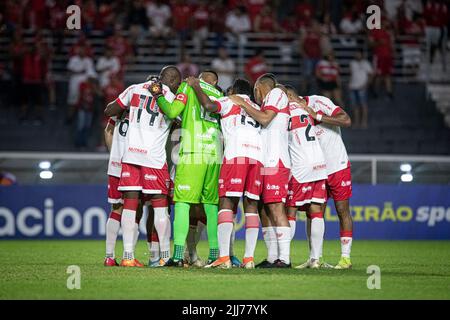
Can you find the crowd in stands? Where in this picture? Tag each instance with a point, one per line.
(93, 79)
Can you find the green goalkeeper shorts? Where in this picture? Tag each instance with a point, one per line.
(197, 179)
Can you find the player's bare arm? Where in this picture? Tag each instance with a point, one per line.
(205, 101)
(263, 117)
(108, 134)
(113, 109)
(341, 119)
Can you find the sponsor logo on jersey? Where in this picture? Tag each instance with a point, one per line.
(306, 189)
(150, 177)
(323, 186)
(320, 167)
(137, 150)
(257, 183)
(236, 181)
(126, 174)
(346, 183)
(272, 187)
(220, 180)
(184, 187)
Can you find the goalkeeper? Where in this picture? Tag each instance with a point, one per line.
(197, 171)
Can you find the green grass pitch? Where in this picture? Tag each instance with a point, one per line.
(409, 270)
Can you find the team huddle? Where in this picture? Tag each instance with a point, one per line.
(277, 151)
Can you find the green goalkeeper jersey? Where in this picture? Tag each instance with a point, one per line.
(200, 128)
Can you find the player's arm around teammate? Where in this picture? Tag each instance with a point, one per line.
(274, 117)
(329, 118)
(240, 174)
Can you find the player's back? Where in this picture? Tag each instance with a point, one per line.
(201, 126)
(148, 127)
(329, 135)
(275, 135)
(118, 144)
(307, 159)
(242, 134)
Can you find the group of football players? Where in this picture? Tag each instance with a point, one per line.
(277, 151)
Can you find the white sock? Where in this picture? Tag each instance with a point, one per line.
(270, 238)
(283, 235)
(293, 224)
(317, 232)
(112, 230)
(224, 230)
(136, 235)
(128, 223)
(346, 246)
(163, 228)
(251, 234)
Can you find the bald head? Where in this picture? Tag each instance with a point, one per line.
(171, 77)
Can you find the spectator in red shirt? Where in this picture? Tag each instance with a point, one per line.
(200, 24)
(181, 12)
(290, 24)
(311, 51)
(254, 7)
(33, 75)
(120, 47)
(328, 78)
(381, 41)
(266, 21)
(105, 18)
(82, 42)
(256, 66)
(57, 22)
(305, 12)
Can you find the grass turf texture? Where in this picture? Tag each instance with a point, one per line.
(409, 270)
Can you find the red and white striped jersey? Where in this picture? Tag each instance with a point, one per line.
(276, 135)
(242, 134)
(148, 126)
(329, 136)
(307, 159)
(328, 70)
(118, 145)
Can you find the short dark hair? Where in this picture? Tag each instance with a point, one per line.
(242, 86)
(290, 88)
(268, 78)
(211, 71)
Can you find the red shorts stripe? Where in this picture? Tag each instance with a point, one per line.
(145, 179)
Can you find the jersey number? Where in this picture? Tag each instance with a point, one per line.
(244, 121)
(303, 123)
(149, 105)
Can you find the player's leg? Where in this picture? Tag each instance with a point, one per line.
(235, 262)
(224, 231)
(197, 223)
(162, 224)
(340, 189)
(112, 230)
(139, 213)
(270, 238)
(345, 232)
(188, 188)
(210, 200)
(251, 231)
(152, 239)
(292, 218)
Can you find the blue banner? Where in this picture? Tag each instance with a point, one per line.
(81, 211)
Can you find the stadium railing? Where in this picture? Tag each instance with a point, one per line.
(90, 168)
(281, 51)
